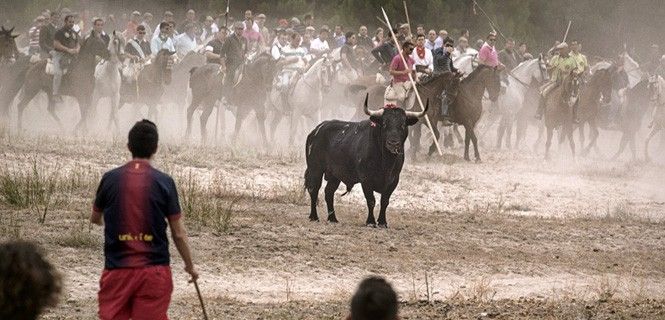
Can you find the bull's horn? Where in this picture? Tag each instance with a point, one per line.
(371, 113)
(3, 28)
(11, 30)
(412, 114)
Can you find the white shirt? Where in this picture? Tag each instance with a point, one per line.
(157, 44)
(276, 51)
(184, 44)
(317, 46)
(300, 52)
(213, 29)
(438, 43)
(427, 61)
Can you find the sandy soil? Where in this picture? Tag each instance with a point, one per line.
(514, 237)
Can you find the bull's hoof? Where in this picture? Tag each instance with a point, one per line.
(313, 219)
(478, 160)
(332, 218)
(467, 159)
(371, 225)
(383, 225)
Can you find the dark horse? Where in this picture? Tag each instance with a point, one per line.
(558, 111)
(589, 103)
(148, 88)
(13, 66)
(249, 94)
(467, 107)
(79, 82)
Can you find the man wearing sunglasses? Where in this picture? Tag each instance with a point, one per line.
(488, 55)
(443, 62)
(400, 86)
(137, 49)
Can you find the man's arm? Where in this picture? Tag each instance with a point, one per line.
(96, 217)
(179, 235)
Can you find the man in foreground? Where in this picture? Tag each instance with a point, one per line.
(375, 299)
(136, 203)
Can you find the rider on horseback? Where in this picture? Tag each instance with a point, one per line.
(443, 62)
(233, 55)
(65, 45)
(294, 60)
(559, 67)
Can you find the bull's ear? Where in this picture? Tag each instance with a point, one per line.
(411, 121)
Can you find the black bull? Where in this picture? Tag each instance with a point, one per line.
(369, 152)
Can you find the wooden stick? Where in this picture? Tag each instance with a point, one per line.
(408, 21)
(413, 83)
(198, 292)
(567, 29)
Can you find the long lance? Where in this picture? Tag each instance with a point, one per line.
(226, 14)
(413, 83)
(406, 12)
(565, 36)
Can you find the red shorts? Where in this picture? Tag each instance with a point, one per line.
(136, 293)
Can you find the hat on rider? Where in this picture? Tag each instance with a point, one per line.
(561, 45)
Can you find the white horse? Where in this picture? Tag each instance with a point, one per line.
(305, 99)
(526, 77)
(108, 78)
(657, 97)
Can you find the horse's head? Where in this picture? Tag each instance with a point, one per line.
(116, 46)
(8, 47)
(542, 69)
(326, 73)
(164, 62)
(571, 83)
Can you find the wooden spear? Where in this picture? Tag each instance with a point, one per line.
(565, 36)
(413, 83)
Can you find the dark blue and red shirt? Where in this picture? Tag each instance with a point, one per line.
(136, 200)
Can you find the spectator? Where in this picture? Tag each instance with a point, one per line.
(375, 299)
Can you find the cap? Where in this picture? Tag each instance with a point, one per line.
(561, 45)
(261, 16)
(404, 26)
(295, 20)
(136, 13)
(310, 28)
(168, 13)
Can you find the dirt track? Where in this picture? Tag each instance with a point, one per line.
(513, 237)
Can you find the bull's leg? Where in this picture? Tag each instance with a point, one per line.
(331, 187)
(653, 132)
(385, 200)
(548, 143)
(313, 184)
(371, 201)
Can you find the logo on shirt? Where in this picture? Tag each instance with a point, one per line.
(132, 237)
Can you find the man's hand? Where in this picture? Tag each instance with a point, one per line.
(194, 275)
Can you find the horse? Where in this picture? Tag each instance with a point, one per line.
(305, 98)
(79, 82)
(13, 67)
(251, 92)
(108, 78)
(150, 83)
(589, 104)
(521, 79)
(467, 106)
(657, 97)
(429, 90)
(180, 77)
(207, 85)
(558, 111)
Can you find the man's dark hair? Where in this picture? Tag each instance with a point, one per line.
(420, 35)
(98, 19)
(69, 16)
(140, 27)
(348, 35)
(142, 139)
(522, 44)
(308, 16)
(510, 40)
(375, 299)
(407, 44)
(163, 25)
(28, 282)
(448, 40)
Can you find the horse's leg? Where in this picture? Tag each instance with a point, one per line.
(500, 130)
(632, 143)
(84, 108)
(653, 132)
(541, 131)
(414, 139)
(190, 113)
(520, 130)
(432, 147)
(582, 136)
(467, 140)
(261, 121)
(509, 131)
(274, 123)
(460, 140)
(571, 140)
(622, 145)
(548, 143)
(240, 117)
(474, 139)
(207, 110)
(28, 94)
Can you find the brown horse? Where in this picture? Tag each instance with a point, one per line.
(13, 67)
(558, 111)
(589, 103)
(8, 49)
(467, 107)
(249, 94)
(79, 82)
(149, 86)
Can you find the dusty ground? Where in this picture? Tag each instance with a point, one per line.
(514, 237)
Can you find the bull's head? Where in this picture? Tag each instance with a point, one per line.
(392, 124)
